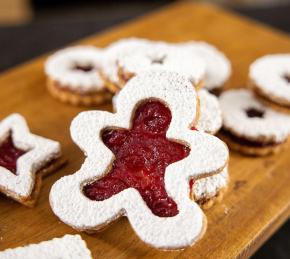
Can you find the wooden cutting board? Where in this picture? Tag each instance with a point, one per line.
(258, 198)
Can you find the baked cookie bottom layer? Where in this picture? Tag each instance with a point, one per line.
(248, 149)
(31, 200)
(75, 98)
(207, 202)
(275, 103)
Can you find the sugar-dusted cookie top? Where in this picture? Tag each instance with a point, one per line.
(22, 154)
(118, 49)
(66, 247)
(218, 66)
(139, 163)
(76, 68)
(244, 116)
(270, 75)
(163, 56)
(210, 116)
(209, 187)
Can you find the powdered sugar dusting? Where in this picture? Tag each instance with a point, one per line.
(267, 73)
(167, 57)
(39, 152)
(209, 187)
(118, 49)
(60, 67)
(210, 118)
(218, 66)
(66, 247)
(273, 126)
(208, 154)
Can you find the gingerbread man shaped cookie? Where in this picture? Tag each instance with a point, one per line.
(139, 162)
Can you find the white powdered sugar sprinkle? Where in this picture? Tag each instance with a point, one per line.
(218, 66)
(118, 49)
(66, 247)
(61, 67)
(208, 155)
(210, 118)
(167, 57)
(209, 187)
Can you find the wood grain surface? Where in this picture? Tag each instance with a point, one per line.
(258, 199)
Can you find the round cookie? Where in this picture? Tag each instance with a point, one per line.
(210, 115)
(73, 76)
(251, 127)
(113, 52)
(270, 79)
(165, 57)
(218, 66)
(207, 191)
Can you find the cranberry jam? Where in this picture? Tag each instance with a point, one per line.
(141, 157)
(9, 155)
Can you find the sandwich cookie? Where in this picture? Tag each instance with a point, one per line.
(139, 163)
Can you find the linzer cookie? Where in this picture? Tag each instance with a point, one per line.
(73, 76)
(218, 66)
(251, 127)
(209, 190)
(270, 79)
(66, 247)
(210, 116)
(162, 56)
(139, 163)
(24, 159)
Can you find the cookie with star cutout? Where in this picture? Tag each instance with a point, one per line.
(139, 162)
(24, 159)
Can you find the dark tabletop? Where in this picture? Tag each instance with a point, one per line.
(56, 25)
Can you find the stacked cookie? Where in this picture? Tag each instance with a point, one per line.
(257, 122)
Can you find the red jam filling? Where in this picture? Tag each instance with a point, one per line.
(9, 155)
(141, 157)
(287, 78)
(255, 113)
(191, 183)
(83, 68)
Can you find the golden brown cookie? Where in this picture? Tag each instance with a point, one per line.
(65, 95)
(74, 76)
